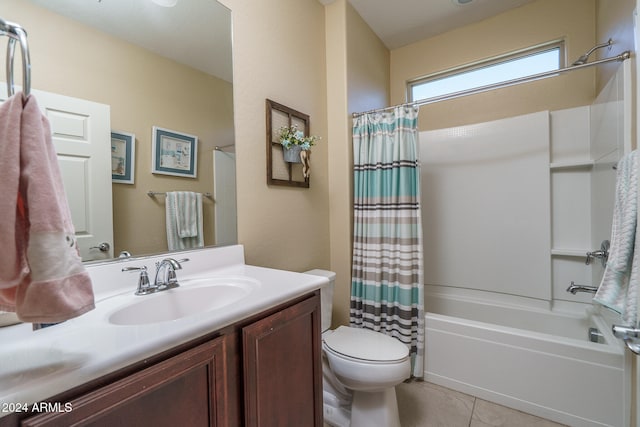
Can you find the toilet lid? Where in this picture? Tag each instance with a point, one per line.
(365, 344)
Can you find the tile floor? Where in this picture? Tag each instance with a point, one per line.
(423, 404)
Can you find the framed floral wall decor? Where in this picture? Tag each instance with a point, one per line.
(123, 157)
(174, 153)
(287, 129)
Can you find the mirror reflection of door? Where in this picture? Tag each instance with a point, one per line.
(81, 137)
(121, 54)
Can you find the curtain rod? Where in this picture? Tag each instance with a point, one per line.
(220, 148)
(621, 57)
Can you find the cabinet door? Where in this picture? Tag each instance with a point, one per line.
(186, 390)
(283, 368)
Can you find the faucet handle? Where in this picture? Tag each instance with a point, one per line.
(602, 254)
(144, 287)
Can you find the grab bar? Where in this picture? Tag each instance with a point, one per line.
(630, 336)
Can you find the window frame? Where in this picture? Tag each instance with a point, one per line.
(483, 63)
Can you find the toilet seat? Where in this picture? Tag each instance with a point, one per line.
(365, 345)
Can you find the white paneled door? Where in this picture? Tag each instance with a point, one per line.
(82, 138)
(81, 133)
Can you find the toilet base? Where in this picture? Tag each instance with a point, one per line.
(375, 409)
(336, 414)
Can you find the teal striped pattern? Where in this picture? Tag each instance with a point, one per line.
(387, 283)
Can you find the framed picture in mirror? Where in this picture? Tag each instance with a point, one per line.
(123, 157)
(174, 153)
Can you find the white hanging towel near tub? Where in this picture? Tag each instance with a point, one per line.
(184, 220)
(619, 287)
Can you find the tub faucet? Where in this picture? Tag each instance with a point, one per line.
(574, 289)
(166, 273)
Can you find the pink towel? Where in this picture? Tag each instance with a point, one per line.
(42, 277)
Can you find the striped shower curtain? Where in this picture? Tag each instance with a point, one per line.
(386, 284)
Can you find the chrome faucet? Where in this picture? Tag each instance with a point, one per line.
(574, 289)
(166, 274)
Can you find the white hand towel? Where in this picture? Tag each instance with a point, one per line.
(618, 290)
(184, 220)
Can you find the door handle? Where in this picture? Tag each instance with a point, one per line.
(102, 247)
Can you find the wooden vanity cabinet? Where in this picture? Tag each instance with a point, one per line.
(185, 390)
(263, 371)
(283, 369)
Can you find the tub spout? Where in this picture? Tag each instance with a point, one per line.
(574, 289)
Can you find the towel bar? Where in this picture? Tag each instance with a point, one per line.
(152, 193)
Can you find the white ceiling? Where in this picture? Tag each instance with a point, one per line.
(194, 32)
(398, 23)
(198, 32)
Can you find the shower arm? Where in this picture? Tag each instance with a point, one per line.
(584, 58)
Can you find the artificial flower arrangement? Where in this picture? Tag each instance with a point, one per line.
(290, 136)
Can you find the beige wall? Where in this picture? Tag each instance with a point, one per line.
(340, 182)
(368, 66)
(143, 90)
(357, 79)
(279, 54)
(614, 20)
(529, 25)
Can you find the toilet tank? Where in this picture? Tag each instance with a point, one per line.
(326, 296)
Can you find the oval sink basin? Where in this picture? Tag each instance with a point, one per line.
(192, 297)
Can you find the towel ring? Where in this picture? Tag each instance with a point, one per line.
(17, 34)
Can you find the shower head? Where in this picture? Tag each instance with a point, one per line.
(583, 59)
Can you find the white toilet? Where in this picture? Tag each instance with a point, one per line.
(362, 365)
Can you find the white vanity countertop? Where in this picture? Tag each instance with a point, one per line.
(37, 365)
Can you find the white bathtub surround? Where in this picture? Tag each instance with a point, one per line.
(387, 279)
(619, 287)
(500, 323)
(536, 360)
(487, 185)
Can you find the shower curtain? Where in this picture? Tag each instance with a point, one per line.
(386, 282)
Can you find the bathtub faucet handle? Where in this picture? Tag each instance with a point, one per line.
(602, 254)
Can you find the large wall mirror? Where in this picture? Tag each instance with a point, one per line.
(152, 65)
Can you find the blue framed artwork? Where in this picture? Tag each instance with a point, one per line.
(123, 157)
(174, 153)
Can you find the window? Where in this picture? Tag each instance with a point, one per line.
(519, 64)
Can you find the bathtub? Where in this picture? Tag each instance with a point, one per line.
(532, 359)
